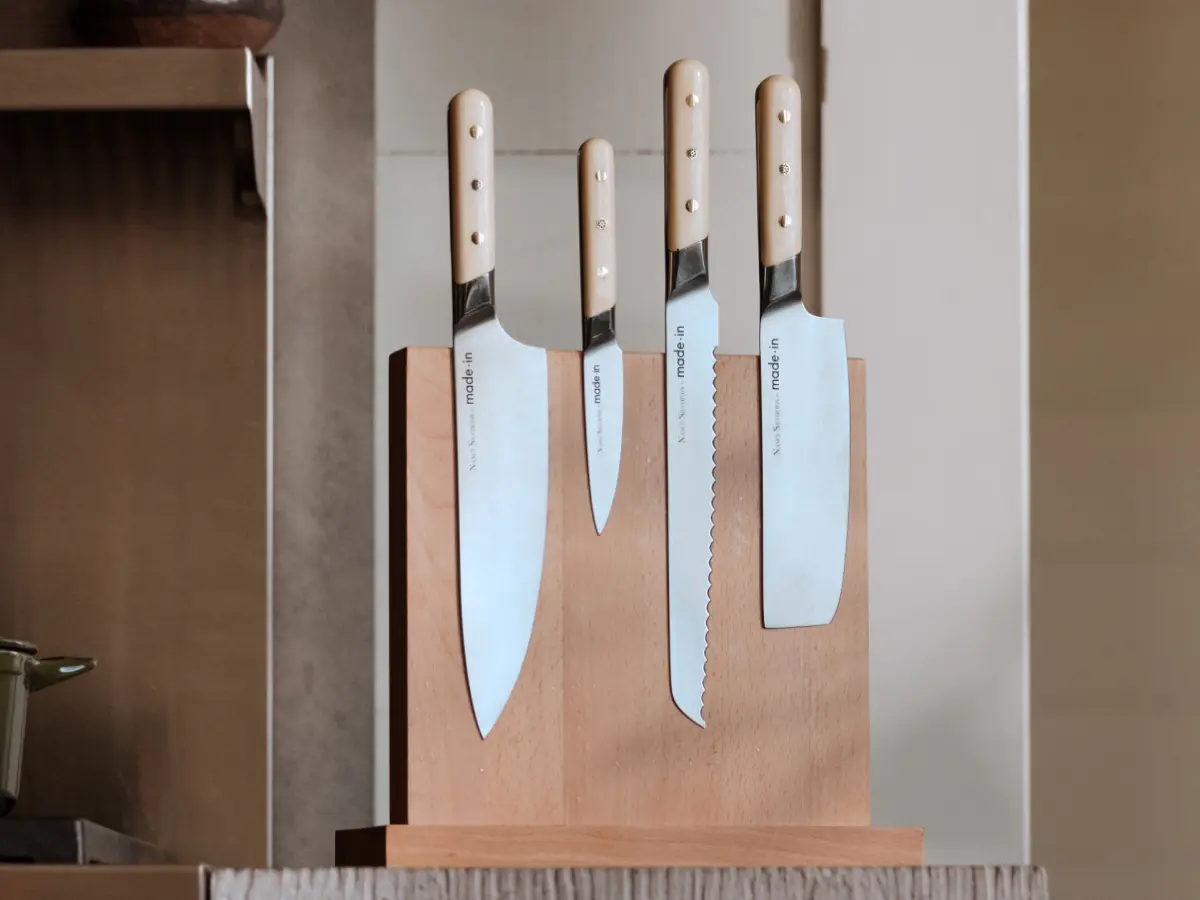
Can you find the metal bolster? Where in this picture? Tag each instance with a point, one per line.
(600, 329)
(687, 268)
(780, 284)
(473, 301)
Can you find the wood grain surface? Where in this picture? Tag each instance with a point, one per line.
(104, 882)
(133, 334)
(591, 735)
(706, 883)
(126, 78)
(557, 846)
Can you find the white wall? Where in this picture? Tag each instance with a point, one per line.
(924, 217)
(922, 257)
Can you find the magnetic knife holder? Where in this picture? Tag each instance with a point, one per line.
(591, 763)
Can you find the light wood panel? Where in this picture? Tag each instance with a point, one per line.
(591, 735)
(555, 847)
(1115, 410)
(133, 381)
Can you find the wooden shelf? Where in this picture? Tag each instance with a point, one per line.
(123, 79)
(71, 78)
(135, 315)
(557, 846)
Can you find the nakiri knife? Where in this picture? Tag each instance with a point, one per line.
(501, 415)
(603, 365)
(691, 344)
(805, 392)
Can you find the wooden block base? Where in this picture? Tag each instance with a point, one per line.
(591, 735)
(556, 847)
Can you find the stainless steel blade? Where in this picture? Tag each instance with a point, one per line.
(604, 411)
(690, 412)
(502, 426)
(805, 464)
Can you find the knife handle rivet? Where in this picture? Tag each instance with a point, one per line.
(784, 168)
(476, 184)
(601, 175)
(691, 100)
(785, 220)
(602, 272)
(476, 131)
(476, 237)
(602, 224)
(692, 205)
(785, 116)
(691, 153)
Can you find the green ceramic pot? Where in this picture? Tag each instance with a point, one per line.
(22, 673)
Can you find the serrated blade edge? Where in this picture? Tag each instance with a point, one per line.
(691, 480)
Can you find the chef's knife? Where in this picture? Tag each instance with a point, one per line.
(805, 392)
(691, 344)
(501, 406)
(603, 367)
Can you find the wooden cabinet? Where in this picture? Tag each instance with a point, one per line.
(135, 465)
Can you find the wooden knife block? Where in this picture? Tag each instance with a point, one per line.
(590, 736)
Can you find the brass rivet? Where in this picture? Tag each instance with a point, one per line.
(691, 100)
(476, 184)
(476, 131)
(785, 220)
(692, 205)
(784, 168)
(602, 224)
(476, 237)
(691, 153)
(601, 175)
(785, 116)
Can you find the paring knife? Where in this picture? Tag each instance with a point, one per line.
(603, 366)
(805, 392)
(691, 344)
(501, 407)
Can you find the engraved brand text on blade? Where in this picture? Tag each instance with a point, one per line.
(680, 368)
(468, 380)
(777, 425)
(596, 395)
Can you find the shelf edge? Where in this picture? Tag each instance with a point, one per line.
(126, 79)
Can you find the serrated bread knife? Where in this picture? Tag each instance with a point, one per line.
(603, 366)
(691, 344)
(805, 392)
(501, 417)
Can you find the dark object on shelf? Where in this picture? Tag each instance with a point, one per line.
(22, 673)
(213, 24)
(67, 841)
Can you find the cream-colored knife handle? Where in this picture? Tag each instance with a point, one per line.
(472, 194)
(597, 226)
(780, 214)
(686, 101)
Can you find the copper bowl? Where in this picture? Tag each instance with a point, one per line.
(216, 24)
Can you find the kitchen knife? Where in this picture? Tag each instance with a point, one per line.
(501, 417)
(603, 367)
(691, 344)
(805, 392)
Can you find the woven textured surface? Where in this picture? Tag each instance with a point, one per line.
(933, 883)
